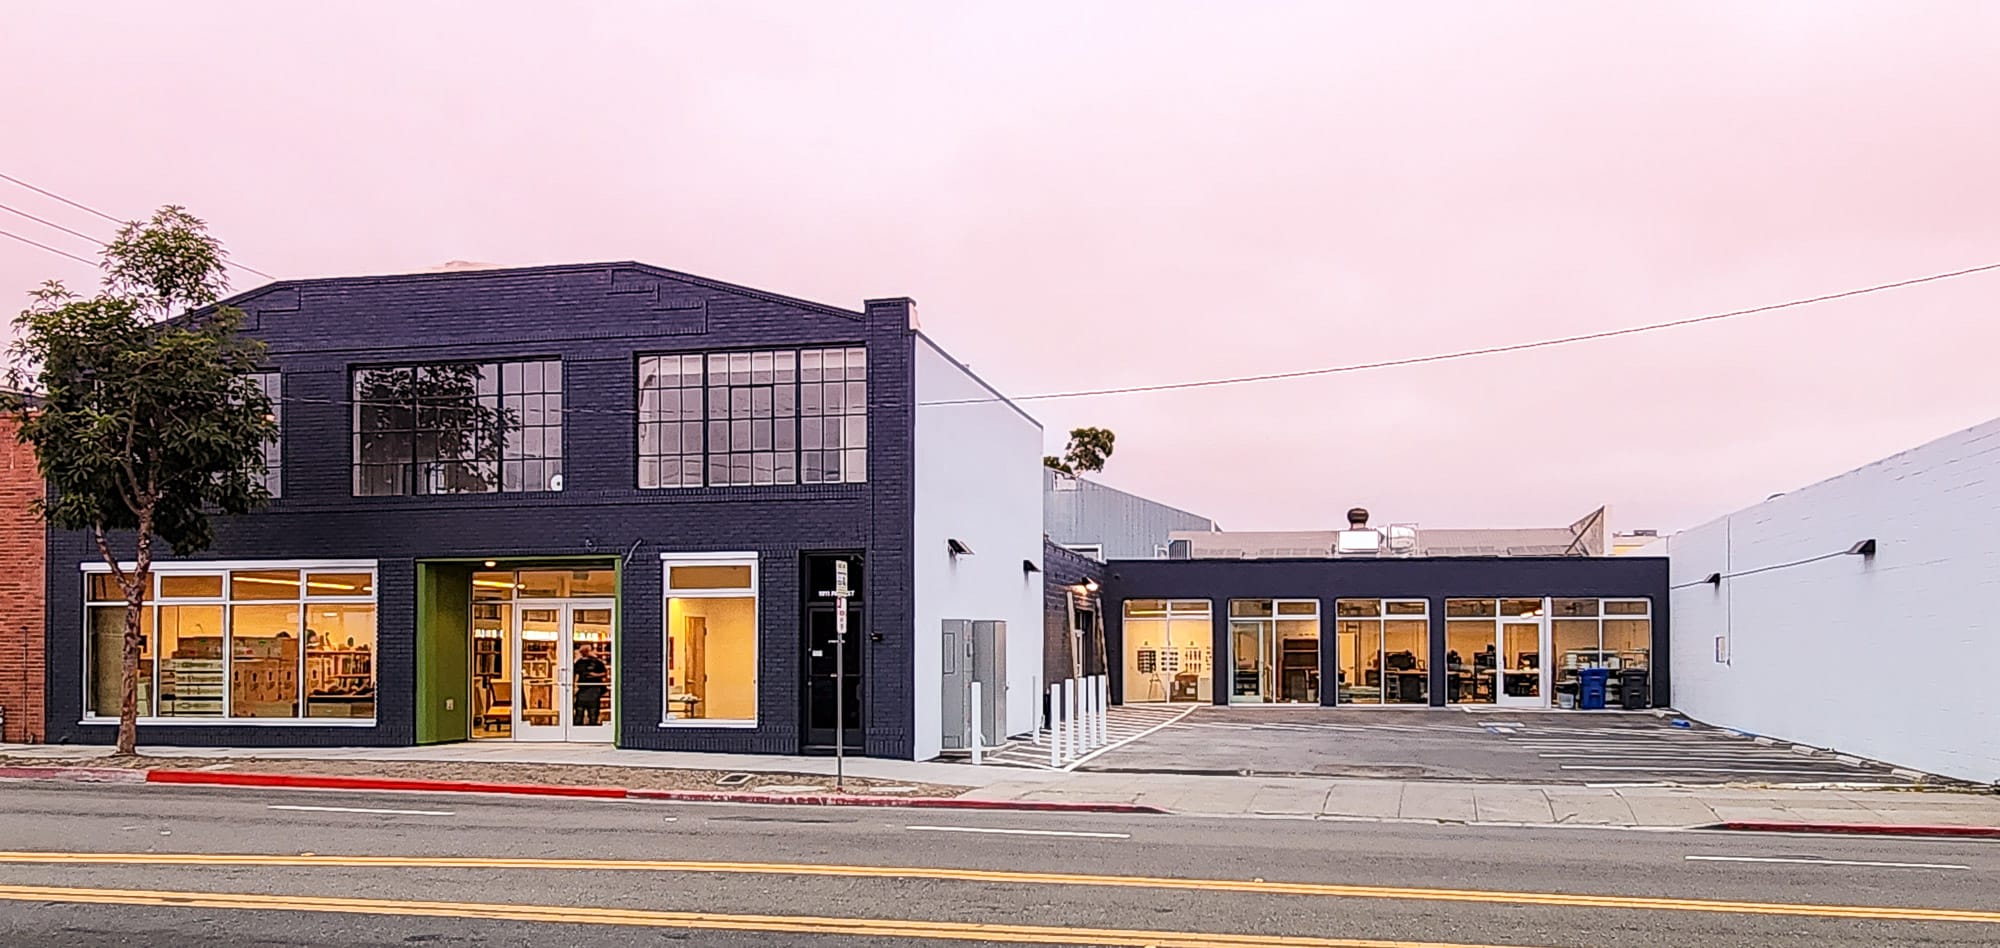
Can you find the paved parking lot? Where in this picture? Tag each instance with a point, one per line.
(1540, 747)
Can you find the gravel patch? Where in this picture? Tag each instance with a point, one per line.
(567, 775)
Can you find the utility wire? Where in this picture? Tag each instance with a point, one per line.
(85, 207)
(1468, 353)
(34, 243)
(49, 223)
(52, 194)
(1765, 569)
(592, 410)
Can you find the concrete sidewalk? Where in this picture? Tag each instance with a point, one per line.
(1507, 803)
(1298, 797)
(596, 755)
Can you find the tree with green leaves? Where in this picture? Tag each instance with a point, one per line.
(1086, 453)
(145, 419)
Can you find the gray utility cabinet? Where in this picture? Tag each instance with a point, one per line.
(974, 650)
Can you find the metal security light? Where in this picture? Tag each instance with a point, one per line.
(1862, 548)
(1713, 579)
(1028, 566)
(1090, 585)
(957, 547)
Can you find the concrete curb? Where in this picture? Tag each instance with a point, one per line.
(211, 778)
(929, 803)
(1860, 829)
(77, 774)
(308, 782)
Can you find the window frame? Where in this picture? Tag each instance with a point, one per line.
(752, 592)
(511, 452)
(227, 602)
(705, 418)
(272, 383)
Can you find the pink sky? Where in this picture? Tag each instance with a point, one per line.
(1084, 195)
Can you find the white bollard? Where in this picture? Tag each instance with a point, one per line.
(1035, 733)
(1104, 709)
(1096, 712)
(1055, 725)
(978, 740)
(1075, 748)
(1091, 711)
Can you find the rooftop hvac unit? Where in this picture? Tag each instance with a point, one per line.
(1358, 543)
(1180, 549)
(1402, 539)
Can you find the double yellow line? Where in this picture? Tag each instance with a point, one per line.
(1251, 886)
(798, 924)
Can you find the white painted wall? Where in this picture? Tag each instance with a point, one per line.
(1896, 658)
(979, 480)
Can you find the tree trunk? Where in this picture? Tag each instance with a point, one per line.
(128, 677)
(136, 584)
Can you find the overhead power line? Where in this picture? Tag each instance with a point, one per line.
(1469, 353)
(87, 208)
(1415, 360)
(36, 243)
(52, 194)
(49, 223)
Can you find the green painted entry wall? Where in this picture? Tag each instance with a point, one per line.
(444, 660)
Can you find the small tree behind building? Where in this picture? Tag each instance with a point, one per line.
(146, 419)
(1086, 452)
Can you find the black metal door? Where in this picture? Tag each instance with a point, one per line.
(820, 677)
(820, 649)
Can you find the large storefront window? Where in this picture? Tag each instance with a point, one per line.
(734, 419)
(1169, 649)
(711, 639)
(458, 428)
(1384, 650)
(270, 643)
(1274, 651)
(1614, 634)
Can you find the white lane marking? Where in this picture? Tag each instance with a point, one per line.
(1015, 832)
(1793, 861)
(1703, 770)
(359, 809)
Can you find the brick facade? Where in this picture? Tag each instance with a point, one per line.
(596, 319)
(22, 542)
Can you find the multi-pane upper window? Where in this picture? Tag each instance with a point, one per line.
(272, 385)
(458, 428)
(783, 416)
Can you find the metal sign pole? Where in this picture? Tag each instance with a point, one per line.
(840, 592)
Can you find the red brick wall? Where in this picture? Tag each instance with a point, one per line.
(22, 545)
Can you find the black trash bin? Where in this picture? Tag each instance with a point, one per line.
(1635, 692)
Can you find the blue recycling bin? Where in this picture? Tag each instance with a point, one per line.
(1591, 687)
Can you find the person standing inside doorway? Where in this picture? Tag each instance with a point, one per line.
(592, 678)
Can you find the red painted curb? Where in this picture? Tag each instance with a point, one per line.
(83, 774)
(1863, 829)
(301, 781)
(931, 803)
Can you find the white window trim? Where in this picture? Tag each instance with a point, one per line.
(206, 567)
(668, 593)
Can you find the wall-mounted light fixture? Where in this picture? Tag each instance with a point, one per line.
(1713, 579)
(1090, 585)
(957, 547)
(1028, 566)
(1862, 548)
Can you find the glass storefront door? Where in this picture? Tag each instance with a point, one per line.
(1521, 677)
(563, 663)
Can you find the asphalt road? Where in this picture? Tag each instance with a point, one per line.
(1434, 744)
(83, 865)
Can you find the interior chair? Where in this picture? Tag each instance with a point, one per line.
(499, 711)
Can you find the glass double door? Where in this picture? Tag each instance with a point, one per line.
(562, 660)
